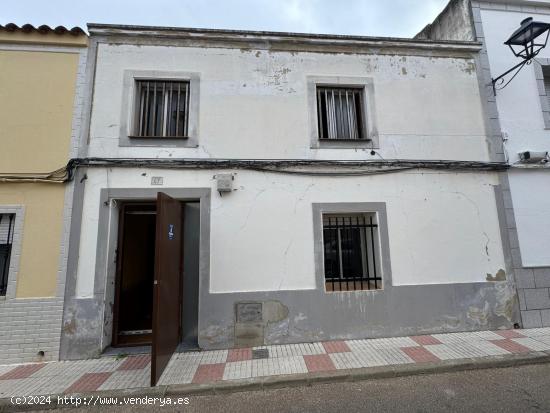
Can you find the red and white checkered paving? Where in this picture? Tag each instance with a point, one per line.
(68, 377)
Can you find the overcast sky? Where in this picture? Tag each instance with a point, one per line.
(398, 18)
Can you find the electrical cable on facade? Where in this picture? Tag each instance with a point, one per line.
(287, 166)
(60, 175)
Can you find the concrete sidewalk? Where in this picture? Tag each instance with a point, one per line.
(279, 365)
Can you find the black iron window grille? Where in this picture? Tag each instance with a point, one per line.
(162, 109)
(6, 240)
(351, 252)
(340, 113)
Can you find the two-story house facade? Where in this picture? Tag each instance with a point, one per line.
(41, 76)
(518, 113)
(329, 187)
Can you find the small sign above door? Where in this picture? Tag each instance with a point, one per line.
(157, 180)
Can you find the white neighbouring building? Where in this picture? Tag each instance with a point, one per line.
(290, 234)
(519, 118)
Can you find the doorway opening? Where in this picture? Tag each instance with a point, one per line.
(135, 275)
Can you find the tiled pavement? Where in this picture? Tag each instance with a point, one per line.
(110, 373)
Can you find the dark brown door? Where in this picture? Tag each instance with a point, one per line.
(167, 283)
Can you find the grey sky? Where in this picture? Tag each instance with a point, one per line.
(398, 18)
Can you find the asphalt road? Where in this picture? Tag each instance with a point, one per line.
(519, 389)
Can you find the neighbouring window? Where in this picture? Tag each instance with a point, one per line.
(162, 109)
(7, 222)
(340, 113)
(546, 74)
(351, 252)
(542, 74)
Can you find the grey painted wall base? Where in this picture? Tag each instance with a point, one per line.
(314, 315)
(82, 330)
(311, 315)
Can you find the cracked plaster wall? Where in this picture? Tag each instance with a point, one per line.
(444, 240)
(514, 128)
(448, 268)
(523, 128)
(244, 95)
(443, 227)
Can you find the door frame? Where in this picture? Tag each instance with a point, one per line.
(107, 242)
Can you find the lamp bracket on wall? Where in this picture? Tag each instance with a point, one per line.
(500, 80)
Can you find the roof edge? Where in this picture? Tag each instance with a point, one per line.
(43, 29)
(99, 29)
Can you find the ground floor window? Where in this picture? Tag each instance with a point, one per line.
(351, 252)
(7, 222)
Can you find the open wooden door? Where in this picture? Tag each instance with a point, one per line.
(167, 284)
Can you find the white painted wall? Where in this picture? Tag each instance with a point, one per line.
(443, 227)
(253, 104)
(522, 124)
(531, 199)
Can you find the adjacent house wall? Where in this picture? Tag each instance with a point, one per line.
(523, 128)
(39, 78)
(518, 117)
(453, 23)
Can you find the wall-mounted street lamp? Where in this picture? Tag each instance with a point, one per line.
(524, 45)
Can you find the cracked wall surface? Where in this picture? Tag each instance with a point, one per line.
(240, 98)
(512, 128)
(260, 249)
(258, 242)
(526, 218)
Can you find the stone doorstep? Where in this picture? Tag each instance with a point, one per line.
(308, 379)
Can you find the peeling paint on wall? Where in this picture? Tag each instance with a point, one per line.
(479, 315)
(499, 276)
(506, 301)
(274, 323)
(244, 95)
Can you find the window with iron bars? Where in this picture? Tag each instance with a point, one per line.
(6, 240)
(351, 252)
(162, 109)
(340, 113)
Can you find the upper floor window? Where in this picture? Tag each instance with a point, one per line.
(7, 222)
(340, 113)
(162, 109)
